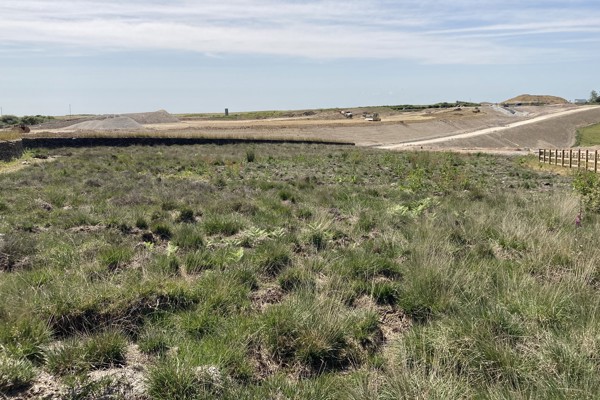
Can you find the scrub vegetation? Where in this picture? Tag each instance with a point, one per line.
(296, 271)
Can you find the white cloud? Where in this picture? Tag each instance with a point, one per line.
(457, 32)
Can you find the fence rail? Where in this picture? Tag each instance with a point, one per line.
(572, 158)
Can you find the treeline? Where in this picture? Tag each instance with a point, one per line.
(404, 107)
(11, 120)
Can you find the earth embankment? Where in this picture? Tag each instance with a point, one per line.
(10, 149)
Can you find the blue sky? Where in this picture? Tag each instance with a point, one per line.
(106, 56)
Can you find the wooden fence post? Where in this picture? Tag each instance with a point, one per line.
(578, 158)
(587, 160)
(562, 158)
(596, 161)
(570, 158)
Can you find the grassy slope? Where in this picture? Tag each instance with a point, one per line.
(311, 272)
(588, 136)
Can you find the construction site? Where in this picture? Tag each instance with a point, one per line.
(509, 126)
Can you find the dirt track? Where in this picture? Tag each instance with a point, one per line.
(549, 131)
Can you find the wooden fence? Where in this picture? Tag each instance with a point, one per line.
(572, 158)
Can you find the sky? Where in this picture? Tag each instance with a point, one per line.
(107, 56)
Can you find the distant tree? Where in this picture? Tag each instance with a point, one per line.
(594, 97)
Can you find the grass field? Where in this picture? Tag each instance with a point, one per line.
(295, 272)
(588, 136)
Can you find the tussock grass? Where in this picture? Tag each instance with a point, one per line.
(301, 272)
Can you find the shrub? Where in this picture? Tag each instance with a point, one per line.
(162, 230)
(250, 155)
(9, 120)
(104, 350)
(15, 373)
(173, 379)
(189, 237)
(25, 338)
(115, 257)
(271, 258)
(295, 279)
(186, 215)
(318, 334)
(141, 223)
(221, 224)
(587, 184)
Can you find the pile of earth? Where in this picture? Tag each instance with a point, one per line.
(157, 117)
(110, 122)
(528, 99)
(107, 124)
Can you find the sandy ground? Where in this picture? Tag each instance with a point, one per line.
(492, 129)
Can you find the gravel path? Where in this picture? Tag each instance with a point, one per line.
(492, 130)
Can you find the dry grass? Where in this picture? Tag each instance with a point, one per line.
(9, 135)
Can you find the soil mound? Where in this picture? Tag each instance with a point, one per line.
(528, 99)
(108, 124)
(157, 117)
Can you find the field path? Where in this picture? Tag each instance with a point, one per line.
(486, 131)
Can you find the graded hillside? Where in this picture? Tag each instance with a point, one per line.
(555, 130)
(529, 99)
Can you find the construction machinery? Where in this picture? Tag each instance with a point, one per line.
(372, 117)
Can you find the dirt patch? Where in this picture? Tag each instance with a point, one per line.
(128, 382)
(263, 298)
(393, 322)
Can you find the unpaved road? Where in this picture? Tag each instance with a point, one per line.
(487, 131)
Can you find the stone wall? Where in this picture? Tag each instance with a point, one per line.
(10, 149)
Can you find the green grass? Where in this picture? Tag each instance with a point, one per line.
(303, 271)
(588, 136)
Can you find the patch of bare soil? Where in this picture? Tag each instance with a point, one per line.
(393, 322)
(265, 297)
(128, 382)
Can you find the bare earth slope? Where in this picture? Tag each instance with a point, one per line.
(488, 127)
(535, 99)
(546, 131)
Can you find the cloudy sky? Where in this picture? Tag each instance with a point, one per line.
(107, 56)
